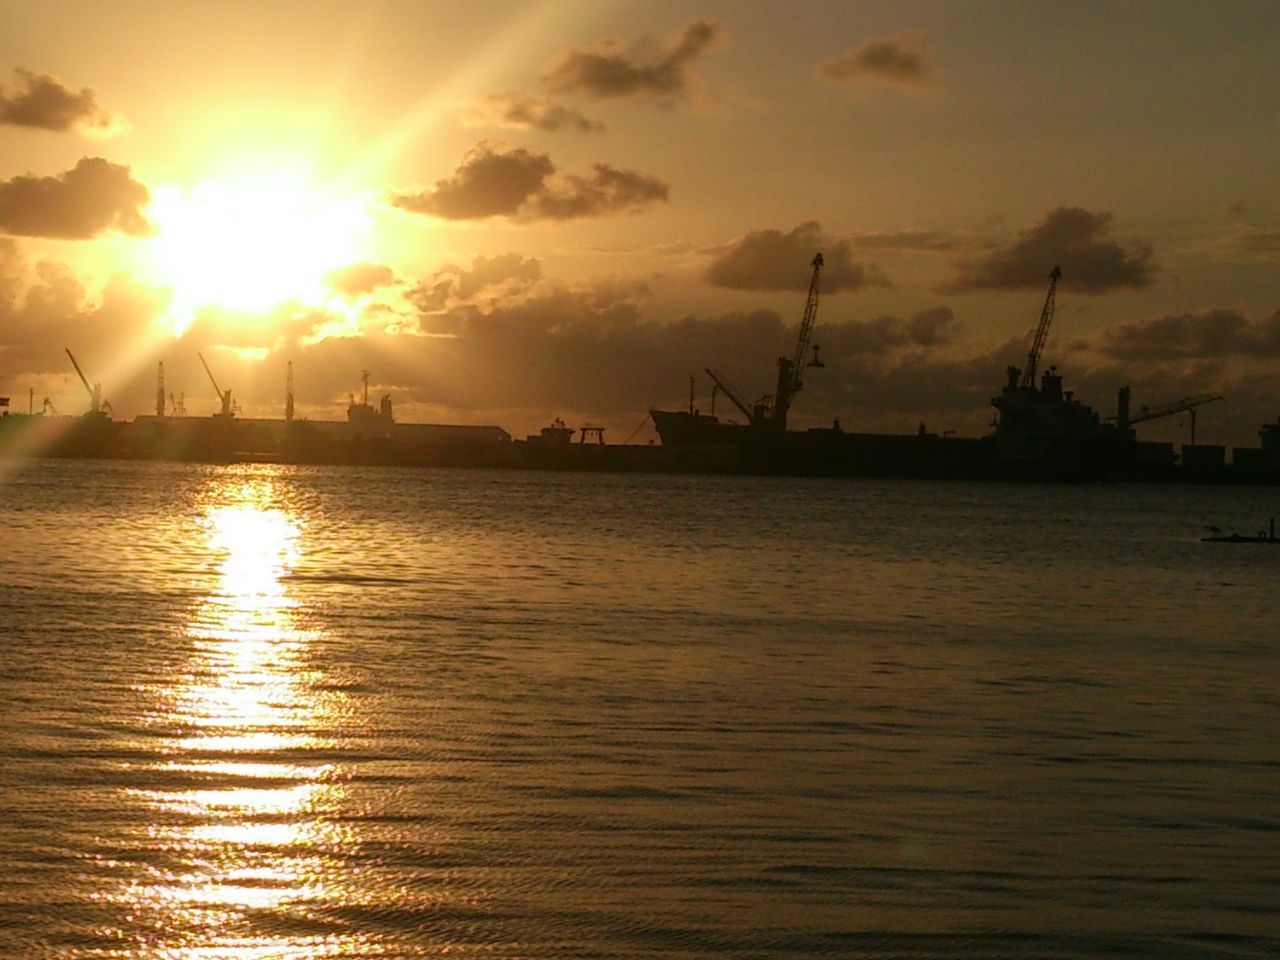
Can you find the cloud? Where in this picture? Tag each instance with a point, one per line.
(41, 102)
(1198, 335)
(501, 276)
(852, 338)
(607, 190)
(610, 71)
(487, 184)
(901, 60)
(526, 186)
(1075, 239)
(361, 278)
(772, 260)
(520, 111)
(45, 308)
(925, 240)
(94, 197)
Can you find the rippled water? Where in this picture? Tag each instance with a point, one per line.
(262, 711)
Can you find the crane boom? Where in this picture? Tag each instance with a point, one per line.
(83, 378)
(789, 383)
(724, 388)
(1177, 406)
(95, 391)
(807, 321)
(210, 373)
(1042, 331)
(223, 395)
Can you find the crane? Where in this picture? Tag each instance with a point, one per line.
(224, 396)
(1042, 332)
(718, 380)
(95, 391)
(1185, 405)
(789, 383)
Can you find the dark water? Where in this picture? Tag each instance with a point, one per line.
(254, 712)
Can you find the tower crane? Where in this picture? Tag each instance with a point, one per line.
(1185, 405)
(95, 391)
(789, 382)
(1042, 331)
(223, 395)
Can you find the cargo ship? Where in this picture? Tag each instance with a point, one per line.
(1042, 432)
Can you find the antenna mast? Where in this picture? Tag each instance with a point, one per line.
(288, 394)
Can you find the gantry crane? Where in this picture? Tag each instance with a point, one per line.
(789, 382)
(224, 396)
(1185, 405)
(96, 403)
(1042, 331)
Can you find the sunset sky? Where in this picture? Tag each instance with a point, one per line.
(509, 212)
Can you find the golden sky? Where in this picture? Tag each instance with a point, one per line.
(513, 211)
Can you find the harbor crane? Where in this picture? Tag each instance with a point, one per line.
(223, 395)
(718, 380)
(97, 405)
(1042, 331)
(1185, 405)
(789, 368)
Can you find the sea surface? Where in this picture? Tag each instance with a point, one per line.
(259, 711)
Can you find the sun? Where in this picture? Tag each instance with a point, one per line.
(251, 243)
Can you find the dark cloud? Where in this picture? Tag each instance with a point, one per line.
(520, 111)
(1077, 240)
(772, 260)
(926, 240)
(526, 186)
(933, 327)
(610, 71)
(94, 197)
(607, 190)
(361, 278)
(40, 101)
(899, 60)
(852, 338)
(487, 184)
(499, 276)
(1198, 335)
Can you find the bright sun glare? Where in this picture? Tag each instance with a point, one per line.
(251, 244)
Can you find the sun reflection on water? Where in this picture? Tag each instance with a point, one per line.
(245, 841)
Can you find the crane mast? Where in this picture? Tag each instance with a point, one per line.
(1042, 331)
(224, 396)
(789, 383)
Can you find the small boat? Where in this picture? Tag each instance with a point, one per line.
(1263, 536)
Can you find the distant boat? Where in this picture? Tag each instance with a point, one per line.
(1263, 536)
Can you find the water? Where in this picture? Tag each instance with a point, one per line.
(263, 711)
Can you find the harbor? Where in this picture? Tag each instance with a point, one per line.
(1042, 432)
